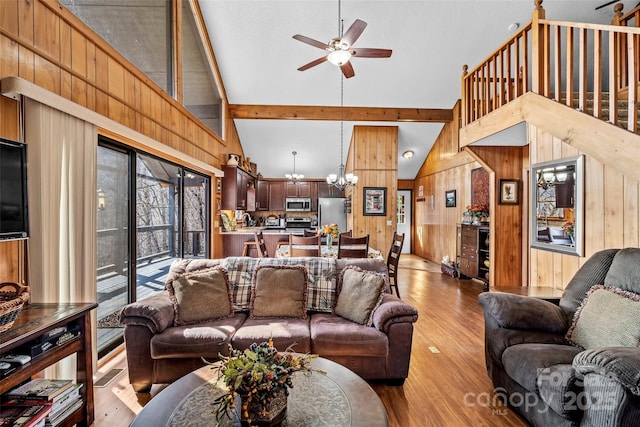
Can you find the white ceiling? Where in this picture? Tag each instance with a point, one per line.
(431, 41)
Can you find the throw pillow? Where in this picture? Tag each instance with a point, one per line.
(607, 317)
(201, 296)
(359, 294)
(279, 291)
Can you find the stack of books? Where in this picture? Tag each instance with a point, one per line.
(46, 402)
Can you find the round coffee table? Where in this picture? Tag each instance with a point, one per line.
(339, 398)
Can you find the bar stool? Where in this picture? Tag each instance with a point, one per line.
(248, 245)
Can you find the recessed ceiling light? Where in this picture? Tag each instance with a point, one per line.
(407, 154)
(514, 26)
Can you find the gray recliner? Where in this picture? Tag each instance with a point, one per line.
(539, 373)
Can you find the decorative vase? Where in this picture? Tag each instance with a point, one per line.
(270, 413)
(476, 220)
(233, 160)
(329, 241)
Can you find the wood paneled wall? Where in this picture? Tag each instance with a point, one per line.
(446, 168)
(373, 157)
(44, 43)
(611, 217)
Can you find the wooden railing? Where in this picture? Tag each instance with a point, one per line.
(572, 63)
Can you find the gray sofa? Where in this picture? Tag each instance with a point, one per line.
(158, 351)
(559, 368)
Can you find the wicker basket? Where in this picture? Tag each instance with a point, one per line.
(12, 298)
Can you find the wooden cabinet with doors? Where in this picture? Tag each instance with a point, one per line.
(299, 189)
(326, 190)
(262, 195)
(276, 196)
(235, 184)
(474, 252)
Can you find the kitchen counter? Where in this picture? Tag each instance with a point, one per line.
(233, 241)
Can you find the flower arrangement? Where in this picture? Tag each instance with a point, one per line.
(330, 230)
(477, 210)
(568, 228)
(258, 374)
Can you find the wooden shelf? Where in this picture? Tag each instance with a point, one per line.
(33, 322)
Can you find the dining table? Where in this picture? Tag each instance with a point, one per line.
(326, 251)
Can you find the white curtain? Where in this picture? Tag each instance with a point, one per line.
(62, 164)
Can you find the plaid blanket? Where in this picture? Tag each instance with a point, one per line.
(321, 291)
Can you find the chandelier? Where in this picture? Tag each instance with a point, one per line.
(294, 177)
(341, 180)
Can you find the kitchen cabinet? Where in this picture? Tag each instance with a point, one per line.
(235, 188)
(474, 251)
(276, 196)
(565, 193)
(326, 190)
(262, 195)
(299, 189)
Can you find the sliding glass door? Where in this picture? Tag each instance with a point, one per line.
(159, 213)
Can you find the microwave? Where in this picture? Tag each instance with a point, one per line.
(298, 205)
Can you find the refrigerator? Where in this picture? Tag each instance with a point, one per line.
(331, 210)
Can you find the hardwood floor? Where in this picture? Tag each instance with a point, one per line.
(447, 384)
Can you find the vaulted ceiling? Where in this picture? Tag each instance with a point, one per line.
(431, 41)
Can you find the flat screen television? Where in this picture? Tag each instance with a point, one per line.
(14, 218)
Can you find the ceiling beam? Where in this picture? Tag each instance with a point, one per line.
(354, 114)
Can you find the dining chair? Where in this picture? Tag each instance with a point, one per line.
(353, 247)
(308, 233)
(261, 245)
(312, 244)
(392, 261)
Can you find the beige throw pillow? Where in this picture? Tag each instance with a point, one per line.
(359, 294)
(279, 291)
(201, 296)
(607, 317)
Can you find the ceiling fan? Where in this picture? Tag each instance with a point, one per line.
(340, 50)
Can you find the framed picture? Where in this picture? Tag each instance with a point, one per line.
(450, 198)
(509, 190)
(375, 201)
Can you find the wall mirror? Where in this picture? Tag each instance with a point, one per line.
(557, 205)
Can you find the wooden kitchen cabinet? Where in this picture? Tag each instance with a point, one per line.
(474, 251)
(235, 184)
(300, 189)
(276, 196)
(326, 190)
(262, 195)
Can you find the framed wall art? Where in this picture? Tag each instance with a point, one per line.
(450, 198)
(509, 190)
(375, 201)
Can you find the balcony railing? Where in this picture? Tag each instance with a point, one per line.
(590, 67)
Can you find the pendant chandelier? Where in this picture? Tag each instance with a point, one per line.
(294, 177)
(341, 180)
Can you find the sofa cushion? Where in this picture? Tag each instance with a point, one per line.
(559, 387)
(279, 291)
(284, 332)
(321, 279)
(207, 339)
(359, 293)
(624, 272)
(523, 362)
(201, 296)
(608, 317)
(333, 335)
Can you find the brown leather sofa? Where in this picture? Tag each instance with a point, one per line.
(160, 352)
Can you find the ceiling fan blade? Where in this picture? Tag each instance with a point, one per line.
(312, 42)
(347, 70)
(313, 63)
(606, 4)
(354, 31)
(371, 53)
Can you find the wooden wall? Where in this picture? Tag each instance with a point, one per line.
(611, 217)
(373, 157)
(446, 168)
(44, 43)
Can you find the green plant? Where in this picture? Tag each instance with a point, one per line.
(257, 374)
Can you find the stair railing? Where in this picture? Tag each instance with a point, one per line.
(572, 63)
